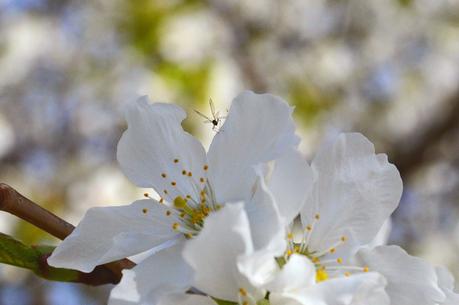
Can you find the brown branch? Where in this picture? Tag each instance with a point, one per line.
(14, 203)
(411, 152)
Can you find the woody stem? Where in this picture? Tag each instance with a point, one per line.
(16, 204)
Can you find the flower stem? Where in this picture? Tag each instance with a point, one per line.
(14, 203)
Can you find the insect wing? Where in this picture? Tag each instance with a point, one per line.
(212, 108)
(203, 115)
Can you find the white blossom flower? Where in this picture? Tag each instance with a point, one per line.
(140, 286)
(407, 276)
(156, 152)
(232, 269)
(353, 194)
(446, 284)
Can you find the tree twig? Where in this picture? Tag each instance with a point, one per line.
(420, 148)
(16, 204)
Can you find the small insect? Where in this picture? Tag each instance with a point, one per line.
(215, 119)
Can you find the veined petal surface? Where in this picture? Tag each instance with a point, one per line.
(360, 289)
(410, 279)
(157, 276)
(354, 193)
(290, 183)
(156, 152)
(259, 128)
(214, 252)
(107, 234)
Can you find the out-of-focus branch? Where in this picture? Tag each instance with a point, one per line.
(242, 33)
(14, 203)
(410, 153)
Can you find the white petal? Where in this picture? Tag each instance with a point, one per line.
(410, 279)
(125, 293)
(445, 278)
(290, 183)
(161, 274)
(213, 253)
(187, 299)
(446, 284)
(110, 233)
(361, 289)
(452, 298)
(383, 235)
(266, 226)
(153, 142)
(259, 268)
(298, 273)
(259, 128)
(354, 192)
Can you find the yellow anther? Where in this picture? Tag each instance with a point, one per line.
(309, 228)
(321, 275)
(145, 210)
(206, 167)
(183, 214)
(161, 200)
(365, 269)
(243, 292)
(343, 238)
(163, 175)
(183, 172)
(188, 235)
(218, 207)
(176, 160)
(339, 260)
(317, 216)
(168, 213)
(188, 196)
(202, 180)
(290, 236)
(245, 303)
(173, 183)
(297, 249)
(332, 250)
(347, 274)
(190, 174)
(165, 192)
(179, 202)
(289, 252)
(175, 226)
(146, 195)
(315, 260)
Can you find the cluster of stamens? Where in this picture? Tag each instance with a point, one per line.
(244, 298)
(188, 210)
(324, 265)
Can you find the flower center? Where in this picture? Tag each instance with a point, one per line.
(191, 214)
(327, 263)
(189, 210)
(245, 298)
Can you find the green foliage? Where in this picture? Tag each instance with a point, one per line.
(15, 253)
(142, 21)
(405, 3)
(142, 26)
(309, 101)
(221, 302)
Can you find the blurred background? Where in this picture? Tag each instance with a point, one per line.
(389, 69)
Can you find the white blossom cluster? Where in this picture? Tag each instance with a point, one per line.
(250, 222)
